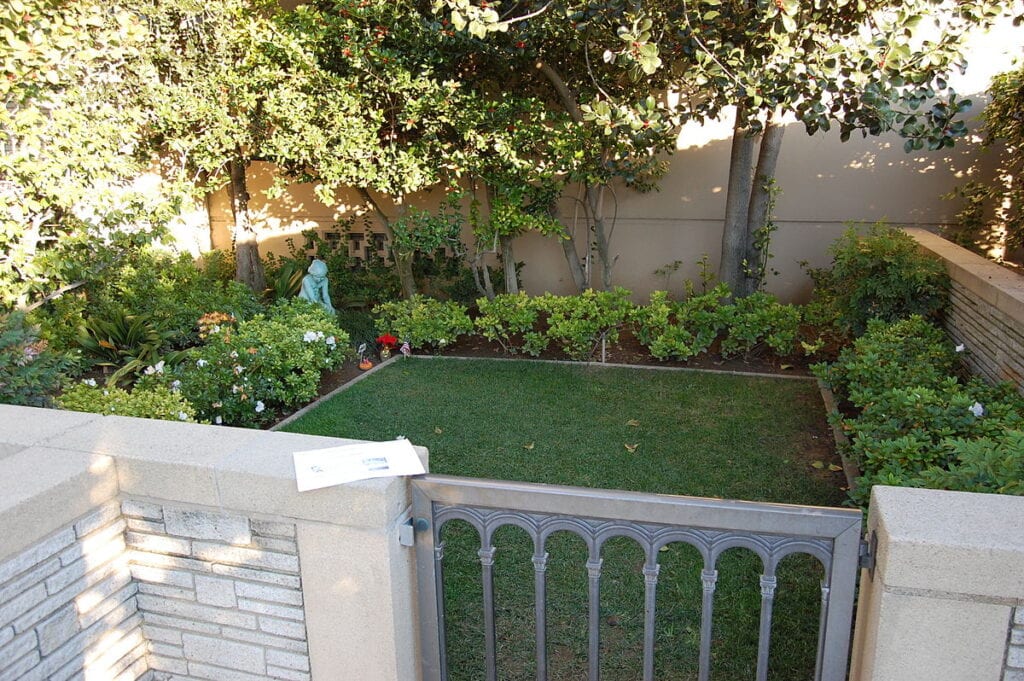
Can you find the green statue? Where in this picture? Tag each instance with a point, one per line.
(314, 286)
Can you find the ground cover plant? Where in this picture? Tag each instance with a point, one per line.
(666, 432)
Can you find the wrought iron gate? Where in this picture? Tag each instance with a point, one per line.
(772, 531)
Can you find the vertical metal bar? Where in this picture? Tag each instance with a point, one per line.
(651, 570)
(708, 580)
(594, 652)
(842, 582)
(486, 554)
(768, 583)
(429, 577)
(540, 567)
(822, 628)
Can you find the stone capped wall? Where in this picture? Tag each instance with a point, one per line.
(219, 594)
(68, 606)
(1015, 648)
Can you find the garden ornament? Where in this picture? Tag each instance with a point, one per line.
(314, 286)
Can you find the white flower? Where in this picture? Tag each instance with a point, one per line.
(218, 420)
(260, 406)
(238, 370)
(331, 340)
(106, 392)
(175, 385)
(977, 409)
(91, 382)
(235, 389)
(442, 342)
(201, 362)
(182, 416)
(158, 368)
(319, 335)
(309, 336)
(961, 347)
(233, 355)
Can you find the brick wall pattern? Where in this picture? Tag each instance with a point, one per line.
(69, 607)
(994, 340)
(219, 595)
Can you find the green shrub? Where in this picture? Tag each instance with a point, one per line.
(173, 292)
(991, 464)
(910, 352)
(905, 431)
(29, 370)
(423, 321)
(759, 318)
(507, 319)
(680, 330)
(246, 373)
(154, 402)
(578, 324)
(125, 343)
(882, 274)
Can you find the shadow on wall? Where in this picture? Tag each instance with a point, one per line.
(824, 186)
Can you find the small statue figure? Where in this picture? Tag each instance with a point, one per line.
(314, 286)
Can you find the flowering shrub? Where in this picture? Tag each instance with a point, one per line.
(246, 373)
(423, 321)
(154, 402)
(29, 370)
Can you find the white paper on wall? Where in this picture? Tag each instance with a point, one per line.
(318, 468)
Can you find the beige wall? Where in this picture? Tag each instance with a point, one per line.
(825, 185)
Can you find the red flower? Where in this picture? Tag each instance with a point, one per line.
(387, 340)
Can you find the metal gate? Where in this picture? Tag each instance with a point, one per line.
(772, 531)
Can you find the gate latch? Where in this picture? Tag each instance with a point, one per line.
(868, 549)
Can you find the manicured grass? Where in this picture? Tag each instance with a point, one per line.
(691, 433)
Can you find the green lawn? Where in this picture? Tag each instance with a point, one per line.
(690, 433)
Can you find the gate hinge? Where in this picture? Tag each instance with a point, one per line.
(868, 549)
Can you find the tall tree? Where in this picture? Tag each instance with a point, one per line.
(69, 124)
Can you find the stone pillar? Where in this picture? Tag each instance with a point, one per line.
(948, 578)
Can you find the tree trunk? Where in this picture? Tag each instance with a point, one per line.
(508, 261)
(248, 266)
(403, 260)
(760, 201)
(602, 236)
(737, 203)
(568, 99)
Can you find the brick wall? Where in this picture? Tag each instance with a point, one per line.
(986, 311)
(219, 594)
(68, 606)
(1014, 670)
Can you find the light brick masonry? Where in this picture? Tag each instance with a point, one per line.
(69, 603)
(142, 591)
(219, 594)
(1014, 670)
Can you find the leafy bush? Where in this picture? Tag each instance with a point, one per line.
(172, 291)
(154, 402)
(245, 373)
(579, 323)
(759, 318)
(908, 430)
(125, 343)
(29, 370)
(882, 274)
(991, 464)
(680, 330)
(911, 352)
(507, 319)
(423, 321)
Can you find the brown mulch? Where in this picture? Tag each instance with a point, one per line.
(627, 350)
